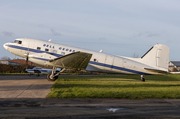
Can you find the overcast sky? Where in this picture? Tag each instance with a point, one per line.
(119, 27)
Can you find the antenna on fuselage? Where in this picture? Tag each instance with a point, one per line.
(101, 51)
(49, 40)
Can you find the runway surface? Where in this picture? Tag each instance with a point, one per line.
(24, 86)
(24, 97)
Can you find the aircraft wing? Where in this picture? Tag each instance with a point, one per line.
(77, 60)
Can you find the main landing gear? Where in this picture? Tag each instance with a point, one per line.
(142, 78)
(52, 76)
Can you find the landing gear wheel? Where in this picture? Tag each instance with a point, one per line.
(143, 79)
(51, 78)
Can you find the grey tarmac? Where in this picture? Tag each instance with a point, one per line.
(24, 97)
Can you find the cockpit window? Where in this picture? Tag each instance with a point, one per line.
(18, 41)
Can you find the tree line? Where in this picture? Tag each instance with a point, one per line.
(13, 68)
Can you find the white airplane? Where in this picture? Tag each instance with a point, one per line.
(40, 70)
(155, 61)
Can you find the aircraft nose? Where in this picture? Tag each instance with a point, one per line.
(5, 46)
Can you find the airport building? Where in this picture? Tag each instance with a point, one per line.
(174, 66)
(14, 62)
(6, 62)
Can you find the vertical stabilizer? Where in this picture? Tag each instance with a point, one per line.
(157, 56)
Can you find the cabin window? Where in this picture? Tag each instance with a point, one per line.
(60, 48)
(67, 49)
(38, 48)
(62, 53)
(70, 50)
(46, 50)
(63, 49)
(54, 51)
(73, 50)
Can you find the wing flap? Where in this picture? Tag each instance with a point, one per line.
(76, 60)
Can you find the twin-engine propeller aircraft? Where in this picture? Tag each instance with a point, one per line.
(155, 61)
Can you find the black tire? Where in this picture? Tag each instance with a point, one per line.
(51, 79)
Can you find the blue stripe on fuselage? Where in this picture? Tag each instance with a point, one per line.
(33, 50)
(91, 62)
(118, 68)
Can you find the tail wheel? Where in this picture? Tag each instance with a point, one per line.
(51, 78)
(142, 78)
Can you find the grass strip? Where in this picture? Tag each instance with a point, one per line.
(120, 86)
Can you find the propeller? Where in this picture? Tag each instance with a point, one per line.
(27, 57)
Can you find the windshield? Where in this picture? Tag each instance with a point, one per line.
(18, 41)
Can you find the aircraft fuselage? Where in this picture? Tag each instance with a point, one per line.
(42, 51)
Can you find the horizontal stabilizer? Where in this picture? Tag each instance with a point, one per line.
(174, 72)
(156, 70)
(76, 60)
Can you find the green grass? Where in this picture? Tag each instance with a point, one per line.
(123, 86)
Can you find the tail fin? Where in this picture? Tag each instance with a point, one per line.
(157, 56)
